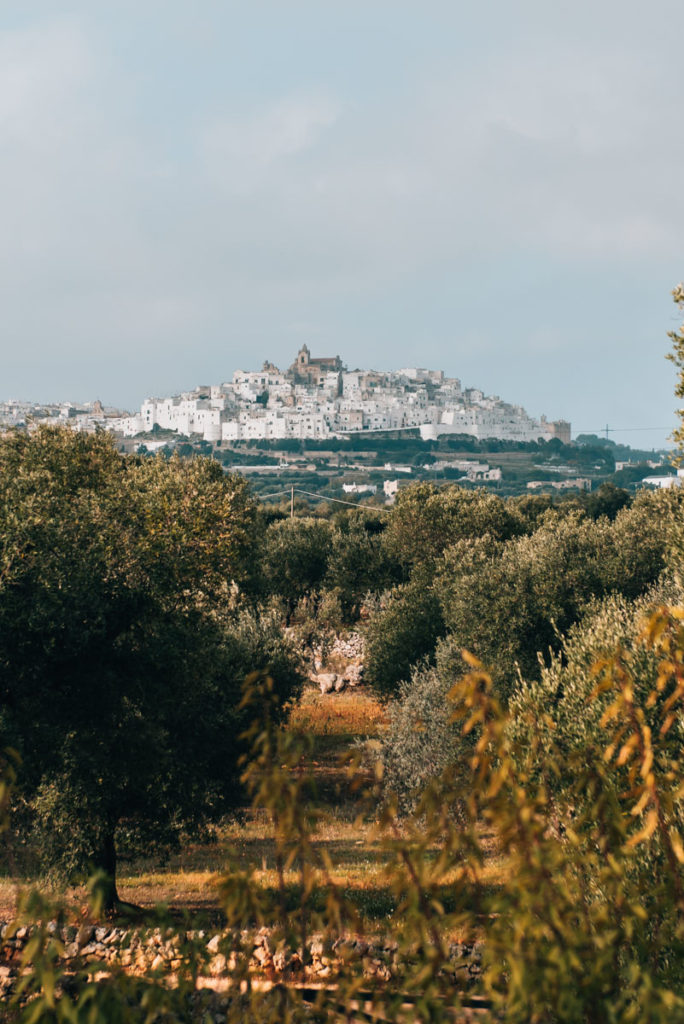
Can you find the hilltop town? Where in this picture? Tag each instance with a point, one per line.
(315, 398)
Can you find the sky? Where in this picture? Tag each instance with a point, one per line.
(491, 188)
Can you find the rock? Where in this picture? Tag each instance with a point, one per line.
(326, 682)
(218, 965)
(213, 944)
(262, 956)
(280, 961)
(155, 939)
(295, 963)
(354, 674)
(85, 934)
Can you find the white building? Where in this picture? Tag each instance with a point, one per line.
(269, 404)
(355, 488)
(664, 482)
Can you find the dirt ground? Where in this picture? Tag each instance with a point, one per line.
(187, 884)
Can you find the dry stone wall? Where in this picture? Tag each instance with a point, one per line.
(339, 665)
(218, 953)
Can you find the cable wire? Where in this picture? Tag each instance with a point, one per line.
(354, 504)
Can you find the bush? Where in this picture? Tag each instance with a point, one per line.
(510, 603)
(358, 561)
(426, 520)
(402, 633)
(558, 707)
(422, 741)
(295, 558)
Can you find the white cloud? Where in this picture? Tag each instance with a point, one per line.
(239, 150)
(41, 70)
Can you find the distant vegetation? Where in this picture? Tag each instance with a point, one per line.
(323, 466)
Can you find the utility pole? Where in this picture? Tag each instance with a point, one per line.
(292, 503)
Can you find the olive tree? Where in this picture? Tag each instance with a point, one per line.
(509, 603)
(294, 554)
(426, 519)
(120, 667)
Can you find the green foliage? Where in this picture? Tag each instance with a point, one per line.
(358, 561)
(120, 656)
(564, 689)
(295, 557)
(509, 603)
(677, 357)
(426, 520)
(422, 741)
(530, 510)
(606, 501)
(573, 933)
(405, 630)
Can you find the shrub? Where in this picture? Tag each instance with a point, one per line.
(295, 558)
(401, 633)
(558, 709)
(510, 603)
(427, 519)
(422, 741)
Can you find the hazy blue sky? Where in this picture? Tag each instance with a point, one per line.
(495, 188)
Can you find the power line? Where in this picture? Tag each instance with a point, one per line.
(354, 504)
(325, 497)
(276, 494)
(617, 430)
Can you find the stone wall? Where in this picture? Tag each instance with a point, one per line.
(143, 949)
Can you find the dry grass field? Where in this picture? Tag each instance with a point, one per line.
(187, 883)
(351, 714)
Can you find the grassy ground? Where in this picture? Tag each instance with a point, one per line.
(335, 723)
(188, 882)
(350, 714)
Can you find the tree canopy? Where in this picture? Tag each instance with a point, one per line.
(120, 671)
